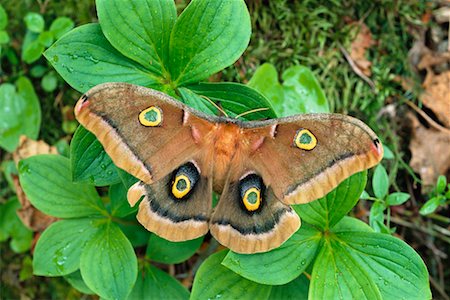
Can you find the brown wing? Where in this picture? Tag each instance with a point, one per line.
(153, 137)
(142, 130)
(249, 218)
(306, 156)
(175, 216)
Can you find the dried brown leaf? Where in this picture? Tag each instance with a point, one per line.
(430, 59)
(30, 216)
(359, 46)
(437, 96)
(430, 152)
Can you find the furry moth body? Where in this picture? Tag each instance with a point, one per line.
(182, 155)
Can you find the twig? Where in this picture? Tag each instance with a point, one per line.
(355, 68)
(414, 226)
(427, 118)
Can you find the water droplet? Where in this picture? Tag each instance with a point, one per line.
(89, 57)
(103, 166)
(303, 262)
(55, 58)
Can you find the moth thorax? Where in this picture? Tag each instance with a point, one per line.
(184, 180)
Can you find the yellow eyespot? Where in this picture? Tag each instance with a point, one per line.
(252, 199)
(181, 186)
(151, 116)
(305, 140)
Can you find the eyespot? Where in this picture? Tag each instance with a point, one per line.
(251, 190)
(181, 186)
(184, 180)
(151, 116)
(304, 139)
(252, 199)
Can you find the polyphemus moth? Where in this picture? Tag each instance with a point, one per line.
(182, 155)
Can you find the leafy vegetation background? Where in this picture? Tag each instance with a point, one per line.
(315, 34)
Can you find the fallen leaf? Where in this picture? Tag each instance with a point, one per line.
(359, 46)
(436, 96)
(430, 153)
(30, 216)
(430, 59)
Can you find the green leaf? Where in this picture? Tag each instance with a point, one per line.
(59, 248)
(430, 206)
(32, 110)
(89, 161)
(38, 71)
(297, 289)
(45, 38)
(337, 275)
(156, 284)
(85, 58)
(441, 183)
(77, 282)
(327, 211)
(49, 82)
(9, 169)
(127, 179)
(108, 264)
(12, 226)
(32, 51)
(61, 26)
(20, 113)
(387, 153)
(214, 281)
(7, 212)
(393, 265)
(193, 100)
(3, 18)
(397, 198)
(26, 272)
(11, 56)
(63, 148)
(21, 237)
(265, 81)
(351, 224)
(135, 232)
(302, 92)
(46, 181)
(207, 37)
(235, 99)
(34, 22)
(4, 37)
(140, 30)
(119, 205)
(380, 182)
(280, 265)
(299, 93)
(11, 109)
(376, 217)
(364, 196)
(167, 252)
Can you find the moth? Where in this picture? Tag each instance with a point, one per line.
(259, 168)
